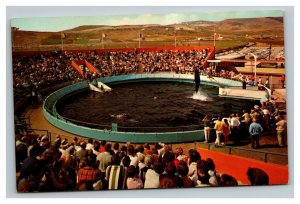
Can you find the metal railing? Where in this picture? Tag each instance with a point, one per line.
(265, 153)
(135, 128)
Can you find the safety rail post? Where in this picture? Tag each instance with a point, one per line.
(266, 156)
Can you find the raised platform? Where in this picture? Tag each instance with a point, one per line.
(251, 92)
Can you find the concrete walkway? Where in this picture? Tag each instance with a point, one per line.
(38, 121)
(268, 142)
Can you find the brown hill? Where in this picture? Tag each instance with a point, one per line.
(238, 30)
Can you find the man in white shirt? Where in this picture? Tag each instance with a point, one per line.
(234, 125)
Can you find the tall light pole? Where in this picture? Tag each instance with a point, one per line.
(255, 57)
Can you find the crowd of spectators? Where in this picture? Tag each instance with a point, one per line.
(80, 165)
(251, 125)
(33, 73)
(38, 72)
(117, 63)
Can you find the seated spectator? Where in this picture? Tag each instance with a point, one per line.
(104, 158)
(144, 167)
(88, 174)
(170, 172)
(179, 154)
(102, 146)
(167, 182)
(194, 157)
(167, 157)
(125, 161)
(96, 147)
(89, 144)
(133, 182)
(213, 180)
(227, 180)
(81, 154)
(202, 173)
(257, 176)
(116, 148)
(132, 155)
(147, 149)
(116, 174)
(183, 170)
(152, 175)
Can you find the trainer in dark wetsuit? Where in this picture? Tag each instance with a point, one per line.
(197, 79)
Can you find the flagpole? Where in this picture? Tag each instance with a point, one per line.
(62, 44)
(140, 40)
(214, 36)
(102, 41)
(175, 40)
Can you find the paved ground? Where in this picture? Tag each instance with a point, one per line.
(268, 142)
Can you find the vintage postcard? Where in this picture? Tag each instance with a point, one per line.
(149, 101)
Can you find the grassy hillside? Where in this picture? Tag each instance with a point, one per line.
(229, 33)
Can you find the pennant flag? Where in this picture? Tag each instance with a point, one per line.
(141, 35)
(104, 35)
(63, 35)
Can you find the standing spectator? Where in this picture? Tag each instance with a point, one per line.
(267, 84)
(116, 175)
(281, 131)
(274, 116)
(244, 83)
(266, 117)
(234, 126)
(206, 120)
(255, 131)
(282, 80)
(260, 84)
(252, 80)
(246, 117)
(226, 130)
(218, 128)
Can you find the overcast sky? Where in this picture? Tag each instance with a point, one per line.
(134, 16)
